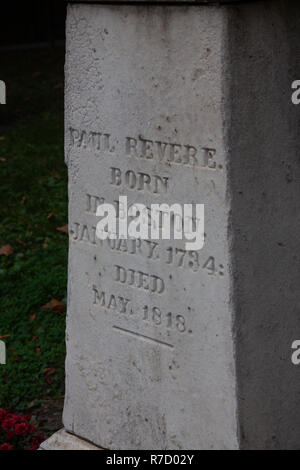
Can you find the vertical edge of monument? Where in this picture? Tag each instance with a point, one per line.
(264, 148)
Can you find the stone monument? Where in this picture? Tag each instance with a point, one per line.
(184, 103)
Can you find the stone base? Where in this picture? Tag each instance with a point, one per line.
(62, 440)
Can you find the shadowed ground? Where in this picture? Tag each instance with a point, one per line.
(33, 266)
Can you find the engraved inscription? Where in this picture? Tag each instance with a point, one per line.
(90, 140)
(139, 181)
(127, 278)
(150, 250)
(138, 279)
(142, 337)
(169, 153)
(165, 321)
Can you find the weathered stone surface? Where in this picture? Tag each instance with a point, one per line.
(264, 147)
(202, 362)
(62, 440)
(154, 74)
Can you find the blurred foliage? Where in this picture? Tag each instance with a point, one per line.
(33, 194)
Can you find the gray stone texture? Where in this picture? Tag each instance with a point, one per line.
(62, 440)
(201, 358)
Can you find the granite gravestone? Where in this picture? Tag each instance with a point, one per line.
(170, 349)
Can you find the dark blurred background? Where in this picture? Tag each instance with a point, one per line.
(32, 22)
(33, 212)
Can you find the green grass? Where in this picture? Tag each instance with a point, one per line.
(33, 185)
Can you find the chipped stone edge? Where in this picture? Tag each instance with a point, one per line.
(62, 440)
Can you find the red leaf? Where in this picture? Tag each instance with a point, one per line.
(56, 306)
(64, 229)
(6, 250)
(49, 371)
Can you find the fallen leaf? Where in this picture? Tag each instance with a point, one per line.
(20, 241)
(45, 245)
(47, 306)
(51, 215)
(24, 198)
(4, 337)
(56, 306)
(56, 175)
(6, 250)
(2, 159)
(38, 350)
(64, 229)
(32, 317)
(49, 371)
(15, 355)
(33, 339)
